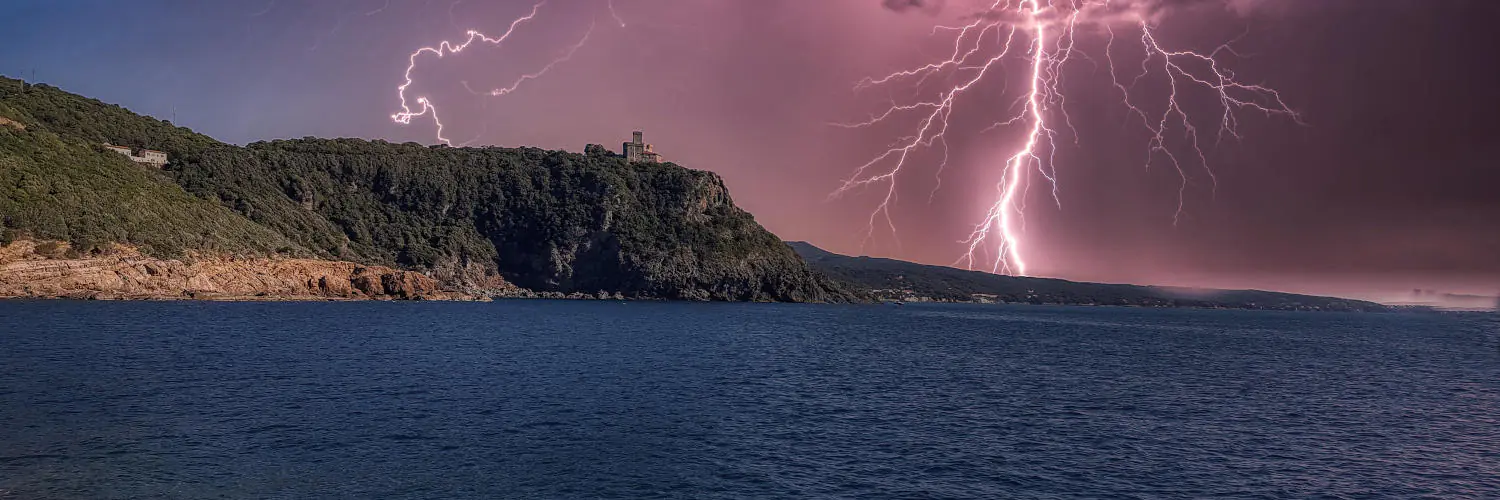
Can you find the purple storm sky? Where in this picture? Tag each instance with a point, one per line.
(1388, 185)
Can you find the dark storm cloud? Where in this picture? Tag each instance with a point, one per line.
(1096, 12)
(925, 6)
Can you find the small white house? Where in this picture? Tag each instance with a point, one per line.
(152, 157)
(148, 156)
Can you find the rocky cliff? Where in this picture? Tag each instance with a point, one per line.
(549, 221)
(49, 269)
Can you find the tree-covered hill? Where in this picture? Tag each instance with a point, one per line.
(55, 187)
(546, 220)
(92, 121)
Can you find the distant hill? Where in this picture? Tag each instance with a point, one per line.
(551, 221)
(1450, 301)
(891, 279)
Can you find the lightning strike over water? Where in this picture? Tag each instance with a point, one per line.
(1045, 34)
(424, 105)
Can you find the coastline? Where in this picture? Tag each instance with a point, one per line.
(51, 270)
(31, 269)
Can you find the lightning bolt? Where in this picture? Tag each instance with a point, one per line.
(1044, 33)
(614, 14)
(538, 74)
(379, 10)
(423, 104)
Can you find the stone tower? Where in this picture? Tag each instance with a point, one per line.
(638, 150)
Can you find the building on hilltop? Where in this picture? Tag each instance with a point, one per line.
(148, 156)
(635, 150)
(152, 157)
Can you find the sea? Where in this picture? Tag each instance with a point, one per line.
(606, 399)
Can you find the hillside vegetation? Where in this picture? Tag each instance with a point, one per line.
(64, 188)
(93, 121)
(546, 220)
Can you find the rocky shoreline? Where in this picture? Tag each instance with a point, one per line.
(31, 269)
(49, 269)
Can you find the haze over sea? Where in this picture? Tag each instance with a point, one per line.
(544, 399)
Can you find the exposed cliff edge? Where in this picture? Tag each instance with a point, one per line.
(549, 221)
(31, 269)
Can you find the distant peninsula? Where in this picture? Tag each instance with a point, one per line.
(900, 281)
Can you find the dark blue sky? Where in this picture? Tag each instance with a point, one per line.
(240, 71)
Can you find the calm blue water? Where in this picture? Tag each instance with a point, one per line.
(607, 400)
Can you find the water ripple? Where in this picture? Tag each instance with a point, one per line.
(538, 399)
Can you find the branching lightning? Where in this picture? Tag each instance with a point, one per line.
(500, 91)
(424, 105)
(1045, 34)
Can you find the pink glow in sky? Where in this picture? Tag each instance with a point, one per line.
(1391, 184)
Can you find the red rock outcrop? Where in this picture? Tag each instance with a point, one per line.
(44, 270)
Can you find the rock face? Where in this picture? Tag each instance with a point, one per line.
(549, 221)
(43, 270)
